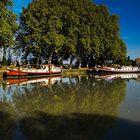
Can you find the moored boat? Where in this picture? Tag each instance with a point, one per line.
(123, 69)
(29, 71)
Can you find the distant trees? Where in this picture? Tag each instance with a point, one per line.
(70, 29)
(8, 26)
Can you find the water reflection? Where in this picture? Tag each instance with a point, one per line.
(21, 86)
(42, 81)
(68, 108)
(122, 76)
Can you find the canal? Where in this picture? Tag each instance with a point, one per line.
(70, 108)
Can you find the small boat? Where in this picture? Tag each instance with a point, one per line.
(31, 71)
(123, 69)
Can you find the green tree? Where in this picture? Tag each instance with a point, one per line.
(8, 26)
(73, 29)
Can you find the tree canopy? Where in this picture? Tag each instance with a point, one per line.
(73, 29)
(8, 25)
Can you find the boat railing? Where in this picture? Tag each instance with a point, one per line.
(36, 67)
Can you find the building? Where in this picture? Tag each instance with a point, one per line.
(138, 61)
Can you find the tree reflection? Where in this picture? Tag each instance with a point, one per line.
(7, 121)
(73, 108)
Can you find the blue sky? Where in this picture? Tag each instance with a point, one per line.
(129, 12)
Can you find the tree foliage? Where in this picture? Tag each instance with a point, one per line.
(8, 25)
(75, 29)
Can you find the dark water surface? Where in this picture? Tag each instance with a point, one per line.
(71, 108)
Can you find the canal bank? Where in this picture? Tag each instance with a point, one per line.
(80, 71)
(2, 70)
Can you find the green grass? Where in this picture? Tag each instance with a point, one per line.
(81, 71)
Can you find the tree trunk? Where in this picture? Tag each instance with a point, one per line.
(50, 59)
(4, 57)
(9, 58)
(71, 60)
(37, 61)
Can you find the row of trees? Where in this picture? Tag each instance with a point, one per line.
(57, 30)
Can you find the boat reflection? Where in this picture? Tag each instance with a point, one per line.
(45, 81)
(114, 76)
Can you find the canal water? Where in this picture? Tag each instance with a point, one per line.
(71, 108)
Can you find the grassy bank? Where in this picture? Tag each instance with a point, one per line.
(2, 70)
(81, 71)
